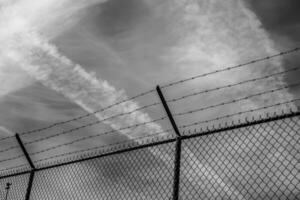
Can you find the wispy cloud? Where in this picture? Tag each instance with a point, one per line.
(207, 36)
(6, 131)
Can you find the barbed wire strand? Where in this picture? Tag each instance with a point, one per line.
(86, 115)
(153, 90)
(233, 67)
(128, 141)
(183, 126)
(5, 138)
(90, 124)
(236, 100)
(104, 146)
(11, 168)
(13, 158)
(169, 130)
(9, 148)
(97, 135)
(231, 85)
(239, 113)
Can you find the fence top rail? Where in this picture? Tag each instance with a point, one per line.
(247, 123)
(15, 174)
(261, 120)
(119, 151)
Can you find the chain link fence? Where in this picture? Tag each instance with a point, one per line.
(16, 190)
(252, 160)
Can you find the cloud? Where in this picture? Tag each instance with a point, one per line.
(23, 15)
(6, 131)
(281, 20)
(209, 33)
(201, 37)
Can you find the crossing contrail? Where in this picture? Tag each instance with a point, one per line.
(25, 44)
(60, 74)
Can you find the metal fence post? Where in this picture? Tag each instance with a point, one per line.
(31, 177)
(177, 148)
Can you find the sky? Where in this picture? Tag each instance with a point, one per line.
(61, 59)
(281, 21)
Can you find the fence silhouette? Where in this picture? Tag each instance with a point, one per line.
(253, 158)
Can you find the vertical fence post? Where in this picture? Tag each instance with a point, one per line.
(30, 182)
(177, 148)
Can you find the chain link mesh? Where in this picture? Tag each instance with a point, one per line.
(254, 162)
(17, 189)
(140, 174)
(259, 161)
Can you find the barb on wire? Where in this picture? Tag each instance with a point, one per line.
(231, 68)
(86, 115)
(6, 138)
(236, 100)
(9, 159)
(103, 146)
(231, 85)
(153, 90)
(90, 124)
(11, 168)
(9, 148)
(239, 113)
(97, 135)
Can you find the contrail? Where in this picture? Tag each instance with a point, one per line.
(7, 131)
(60, 74)
(23, 45)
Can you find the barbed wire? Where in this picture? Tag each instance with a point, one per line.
(90, 124)
(172, 100)
(5, 138)
(13, 158)
(239, 113)
(231, 68)
(237, 100)
(11, 168)
(9, 148)
(97, 135)
(231, 85)
(87, 115)
(153, 90)
(104, 146)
